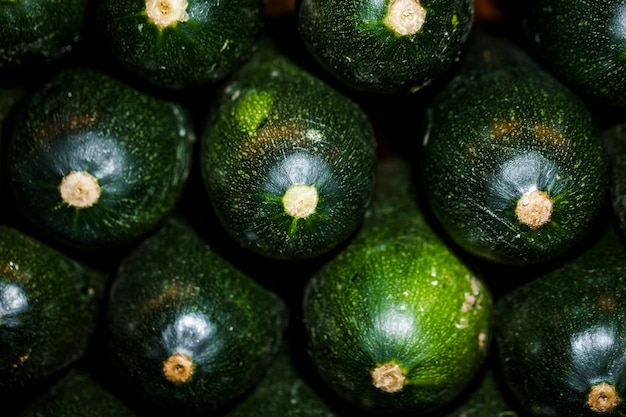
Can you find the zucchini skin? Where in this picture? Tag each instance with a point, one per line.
(274, 125)
(397, 294)
(38, 32)
(174, 294)
(352, 42)
(50, 307)
(500, 128)
(216, 38)
(582, 43)
(78, 394)
(564, 332)
(614, 137)
(138, 147)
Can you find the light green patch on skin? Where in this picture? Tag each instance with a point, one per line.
(252, 109)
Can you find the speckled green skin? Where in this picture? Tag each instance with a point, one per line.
(500, 128)
(583, 43)
(216, 38)
(49, 305)
(564, 331)
(35, 32)
(275, 125)
(138, 147)
(614, 137)
(78, 394)
(397, 293)
(352, 42)
(284, 391)
(174, 294)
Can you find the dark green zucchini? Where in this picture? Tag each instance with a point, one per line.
(614, 137)
(38, 32)
(187, 330)
(96, 163)
(78, 394)
(178, 44)
(285, 390)
(393, 46)
(288, 162)
(396, 321)
(513, 161)
(582, 43)
(49, 306)
(561, 337)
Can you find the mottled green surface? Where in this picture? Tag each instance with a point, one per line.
(274, 125)
(78, 394)
(352, 42)
(564, 331)
(138, 146)
(584, 44)
(174, 294)
(36, 32)
(501, 128)
(397, 293)
(216, 38)
(49, 305)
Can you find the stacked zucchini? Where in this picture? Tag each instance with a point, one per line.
(314, 208)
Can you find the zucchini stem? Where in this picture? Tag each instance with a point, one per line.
(405, 17)
(300, 200)
(534, 208)
(602, 398)
(178, 368)
(80, 189)
(165, 13)
(388, 378)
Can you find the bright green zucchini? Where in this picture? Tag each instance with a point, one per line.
(513, 161)
(97, 163)
(188, 331)
(561, 337)
(78, 394)
(288, 162)
(38, 32)
(582, 42)
(49, 307)
(178, 44)
(391, 46)
(396, 321)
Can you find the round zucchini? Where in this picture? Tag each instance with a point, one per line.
(288, 162)
(396, 321)
(561, 337)
(49, 307)
(583, 43)
(391, 46)
(187, 330)
(96, 163)
(38, 32)
(178, 44)
(513, 161)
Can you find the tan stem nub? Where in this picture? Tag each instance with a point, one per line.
(534, 208)
(602, 398)
(80, 189)
(388, 378)
(165, 13)
(178, 368)
(300, 200)
(405, 17)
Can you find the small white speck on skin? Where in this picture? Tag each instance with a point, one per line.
(434, 282)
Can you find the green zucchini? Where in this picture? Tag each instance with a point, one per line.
(582, 43)
(179, 44)
(38, 32)
(513, 161)
(187, 330)
(561, 337)
(396, 321)
(614, 137)
(288, 162)
(78, 394)
(96, 163)
(392, 46)
(49, 307)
